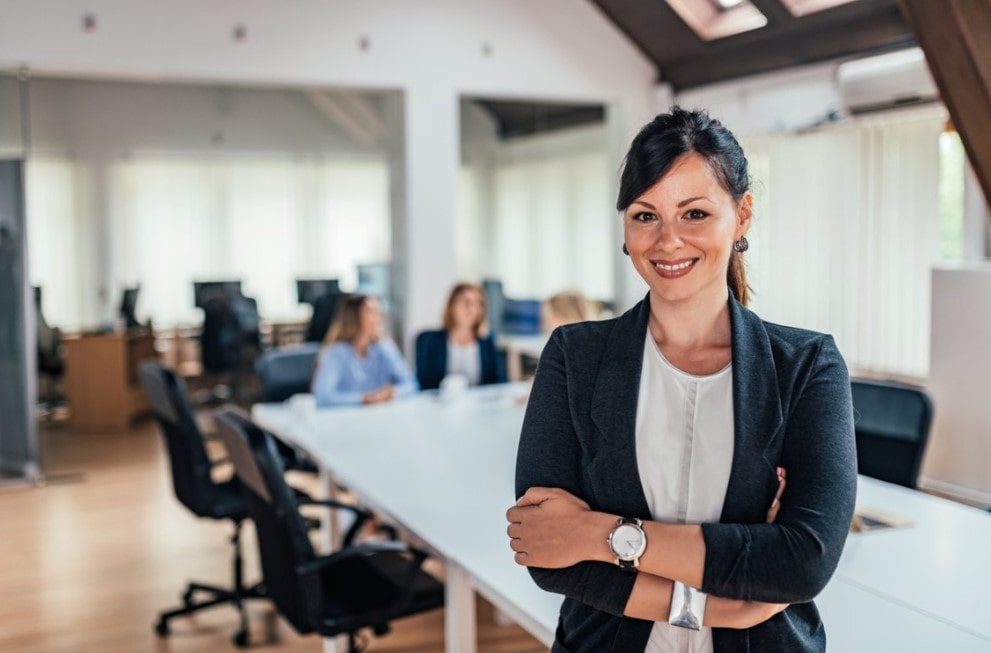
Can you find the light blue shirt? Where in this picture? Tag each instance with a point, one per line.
(343, 377)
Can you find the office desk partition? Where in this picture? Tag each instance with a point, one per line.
(444, 472)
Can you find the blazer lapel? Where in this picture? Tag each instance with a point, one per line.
(757, 415)
(614, 414)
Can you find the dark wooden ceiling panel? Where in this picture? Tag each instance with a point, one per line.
(685, 60)
(956, 37)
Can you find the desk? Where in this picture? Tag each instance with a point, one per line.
(101, 378)
(444, 472)
(517, 346)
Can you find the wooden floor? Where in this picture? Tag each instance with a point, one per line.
(88, 560)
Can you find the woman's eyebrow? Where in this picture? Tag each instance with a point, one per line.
(690, 200)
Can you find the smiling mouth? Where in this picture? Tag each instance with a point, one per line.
(674, 269)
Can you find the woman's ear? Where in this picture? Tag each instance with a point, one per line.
(744, 214)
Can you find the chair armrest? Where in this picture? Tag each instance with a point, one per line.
(331, 503)
(317, 564)
(361, 515)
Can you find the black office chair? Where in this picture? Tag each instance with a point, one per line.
(196, 489)
(282, 373)
(50, 358)
(892, 423)
(229, 342)
(324, 308)
(357, 587)
(286, 371)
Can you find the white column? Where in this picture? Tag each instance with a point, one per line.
(423, 222)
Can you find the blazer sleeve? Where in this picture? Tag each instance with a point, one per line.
(431, 358)
(493, 368)
(549, 455)
(791, 560)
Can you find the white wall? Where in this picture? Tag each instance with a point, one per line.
(432, 50)
(960, 443)
(786, 100)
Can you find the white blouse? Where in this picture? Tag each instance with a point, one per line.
(684, 443)
(465, 360)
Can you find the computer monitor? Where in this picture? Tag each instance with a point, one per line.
(128, 305)
(495, 302)
(204, 291)
(308, 291)
(373, 279)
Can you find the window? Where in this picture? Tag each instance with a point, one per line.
(951, 185)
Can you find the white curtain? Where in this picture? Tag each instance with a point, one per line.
(61, 238)
(265, 221)
(551, 227)
(846, 231)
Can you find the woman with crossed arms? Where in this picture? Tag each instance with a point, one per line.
(651, 463)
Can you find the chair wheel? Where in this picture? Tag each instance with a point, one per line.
(162, 628)
(240, 639)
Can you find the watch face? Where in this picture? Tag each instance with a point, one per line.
(627, 541)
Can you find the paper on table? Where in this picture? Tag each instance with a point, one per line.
(866, 519)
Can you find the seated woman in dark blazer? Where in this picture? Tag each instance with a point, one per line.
(461, 347)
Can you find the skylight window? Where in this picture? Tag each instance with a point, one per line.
(806, 7)
(716, 19)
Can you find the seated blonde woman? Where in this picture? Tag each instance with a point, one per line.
(358, 365)
(566, 307)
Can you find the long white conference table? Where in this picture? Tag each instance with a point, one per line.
(443, 471)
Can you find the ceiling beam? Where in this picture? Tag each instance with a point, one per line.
(878, 34)
(956, 37)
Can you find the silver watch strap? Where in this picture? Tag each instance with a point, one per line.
(687, 606)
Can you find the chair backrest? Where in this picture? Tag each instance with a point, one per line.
(183, 439)
(324, 309)
(282, 535)
(286, 371)
(892, 423)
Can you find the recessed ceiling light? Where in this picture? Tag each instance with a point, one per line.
(728, 4)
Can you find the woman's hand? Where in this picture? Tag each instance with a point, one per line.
(552, 528)
(772, 513)
(385, 393)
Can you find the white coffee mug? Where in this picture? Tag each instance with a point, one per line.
(453, 386)
(302, 406)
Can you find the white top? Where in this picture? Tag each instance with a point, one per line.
(465, 360)
(684, 454)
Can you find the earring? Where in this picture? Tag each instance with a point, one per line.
(625, 250)
(741, 245)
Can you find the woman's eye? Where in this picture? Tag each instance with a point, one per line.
(696, 214)
(643, 216)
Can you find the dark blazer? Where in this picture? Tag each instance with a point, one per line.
(791, 403)
(431, 359)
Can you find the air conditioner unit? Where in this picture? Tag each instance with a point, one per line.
(886, 81)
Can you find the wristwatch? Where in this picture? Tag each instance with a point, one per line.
(627, 541)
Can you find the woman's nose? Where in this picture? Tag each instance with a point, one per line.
(668, 236)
